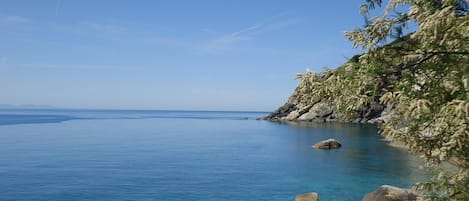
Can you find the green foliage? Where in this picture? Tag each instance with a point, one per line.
(423, 76)
(339, 88)
(430, 69)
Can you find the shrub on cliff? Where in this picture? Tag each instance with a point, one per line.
(431, 92)
(424, 76)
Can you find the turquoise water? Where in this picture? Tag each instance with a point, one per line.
(185, 155)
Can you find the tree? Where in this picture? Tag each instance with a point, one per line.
(428, 76)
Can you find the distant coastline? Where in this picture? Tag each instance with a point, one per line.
(11, 116)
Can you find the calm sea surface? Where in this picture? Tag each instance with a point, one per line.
(189, 156)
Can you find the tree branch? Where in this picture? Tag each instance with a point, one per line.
(450, 52)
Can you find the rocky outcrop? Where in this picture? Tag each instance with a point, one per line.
(281, 112)
(305, 104)
(391, 193)
(297, 109)
(323, 111)
(307, 197)
(318, 111)
(328, 144)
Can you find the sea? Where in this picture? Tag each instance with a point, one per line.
(157, 155)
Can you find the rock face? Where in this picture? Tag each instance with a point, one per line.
(328, 144)
(307, 197)
(281, 112)
(318, 111)
(322, 111)
(391, 193)
(301, 107)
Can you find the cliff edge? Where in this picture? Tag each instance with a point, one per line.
(309, 102)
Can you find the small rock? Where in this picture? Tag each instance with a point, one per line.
(328, 144)
(313, 196)
(391, 193)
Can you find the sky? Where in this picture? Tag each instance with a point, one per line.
(167, 54)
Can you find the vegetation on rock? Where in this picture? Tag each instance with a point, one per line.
(423, 77)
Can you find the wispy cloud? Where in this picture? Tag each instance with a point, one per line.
(14, 19)
(57, 8)
(103, 27)
(165, 41)
(209, 31)
(228, 41)
(231, 40)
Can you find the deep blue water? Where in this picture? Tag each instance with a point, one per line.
(186, 155)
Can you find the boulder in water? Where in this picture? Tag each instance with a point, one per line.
(391, 193)
(313, 196)
(328, 144)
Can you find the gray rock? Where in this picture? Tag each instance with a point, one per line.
(328, 144)
(318, 110)
(283, 111)
(391, 193)
(363, 121)
(386, 115)
(292, 116)
(357, 120)
(307, 197)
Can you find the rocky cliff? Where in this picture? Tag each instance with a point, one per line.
(325, 111)
(307, 103)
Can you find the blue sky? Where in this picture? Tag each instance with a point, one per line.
(197, 55)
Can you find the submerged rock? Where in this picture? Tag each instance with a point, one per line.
(328, 144)
(391, 193)
(313, 196)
